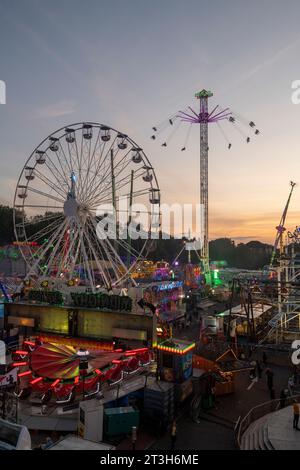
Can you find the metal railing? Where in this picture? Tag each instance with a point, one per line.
(258, 412)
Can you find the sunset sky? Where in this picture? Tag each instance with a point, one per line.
(132, 63)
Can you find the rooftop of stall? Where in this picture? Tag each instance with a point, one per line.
(73, 322)
(175, 360)
(176, 346)
(72, 442)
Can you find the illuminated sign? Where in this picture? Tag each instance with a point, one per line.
(170, 285)
(49, 297)
(111, 302)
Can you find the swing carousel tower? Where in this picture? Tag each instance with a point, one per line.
(203, 116)
(203, 97)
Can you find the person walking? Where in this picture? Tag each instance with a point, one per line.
(252, 373)
(213, 397)
(173, 434)
(264, 358)
(283, 396)
(296, 410)
(270, 379)
(259, 369)
(295, 374)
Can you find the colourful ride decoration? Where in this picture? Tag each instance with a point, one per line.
(60, 372)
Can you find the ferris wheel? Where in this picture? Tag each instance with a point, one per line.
(72, 173)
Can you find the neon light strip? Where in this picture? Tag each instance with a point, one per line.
(35, 381)
(176, 351)
(56, 382)
(23, 374)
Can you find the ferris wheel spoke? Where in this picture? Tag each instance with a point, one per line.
(91, 187)
(83, 236)
(44, 233)
(77, 249)
(62, 179)
(137, 173)
(89, 163)
(60, 157)
(56, 248)
(41, 193)
(73, 154)
(66, 262)
(95, 245)
(101, 259)
(128, 247)
(108, 170)
(36, 238)
(77, 154)
(71, 157)
(44, 230)
(91, 171)
(126, 179)
(103, 191)
(105, 253)
(48, 182)
(37, 206)
(91, 261)
(117, 263)
(79, 184)
(119, 185)
(39, 219)
(86, 151)
(124, 166)
(104, 155)
(115, 266)
(58, 232)
(63, 153)
(105, 167)
(101, 159)
(107, 200)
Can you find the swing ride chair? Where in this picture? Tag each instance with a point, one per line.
(204, 116)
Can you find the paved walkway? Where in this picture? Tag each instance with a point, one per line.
(280, 430)
(202, 436)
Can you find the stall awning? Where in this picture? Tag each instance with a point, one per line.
(239, 311)
(204, 304)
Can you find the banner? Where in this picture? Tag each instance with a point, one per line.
(9, 378)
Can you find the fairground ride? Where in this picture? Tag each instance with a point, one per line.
(63, 374)
(68, 176)
(203, 117)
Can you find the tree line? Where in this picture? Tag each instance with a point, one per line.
(251, 255)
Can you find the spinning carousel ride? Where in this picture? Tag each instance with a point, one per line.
(63, 374)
